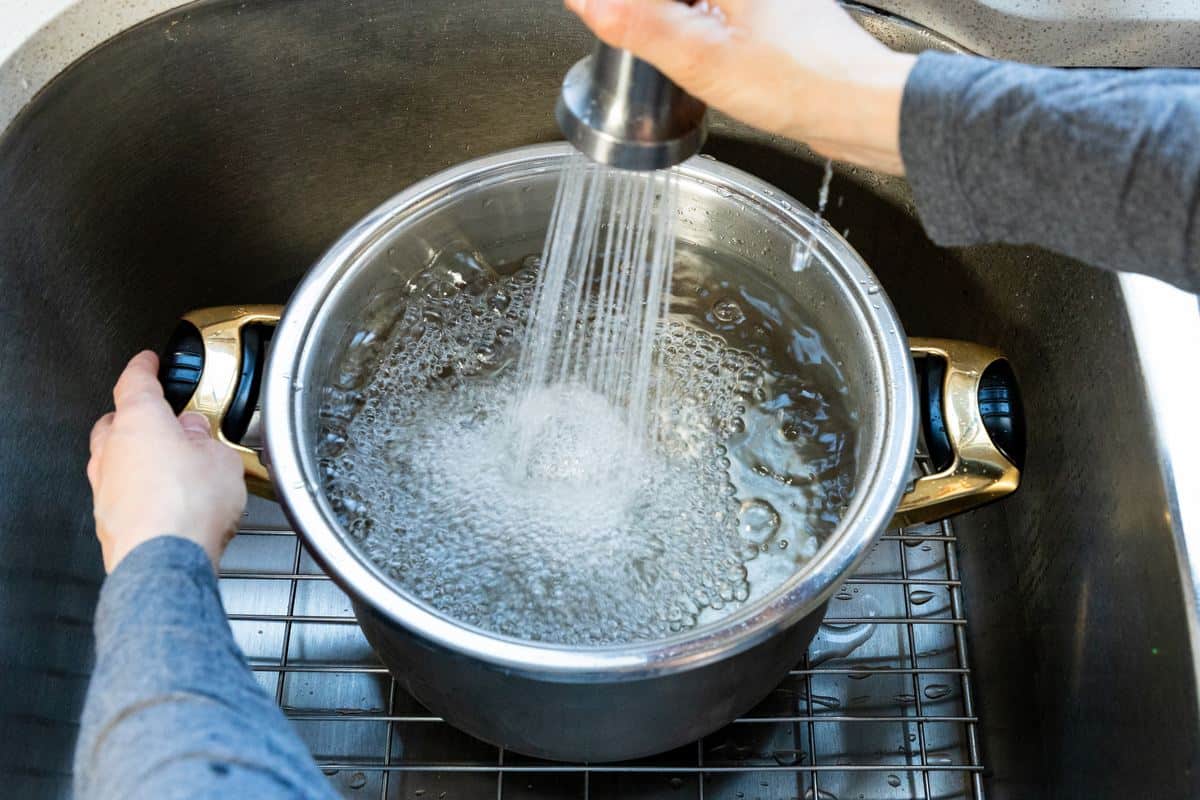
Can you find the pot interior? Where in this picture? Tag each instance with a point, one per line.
(495, 212)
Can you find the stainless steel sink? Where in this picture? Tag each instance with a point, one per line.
(209, 155)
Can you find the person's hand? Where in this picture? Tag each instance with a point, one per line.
(799, 68)
(153, 474)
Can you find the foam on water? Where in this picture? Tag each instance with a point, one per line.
(597, 536)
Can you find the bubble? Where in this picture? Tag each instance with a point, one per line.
(728, 311)
(757, 521)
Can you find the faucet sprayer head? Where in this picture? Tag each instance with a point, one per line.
(619, 110)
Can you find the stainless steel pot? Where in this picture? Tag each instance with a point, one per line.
(618, 702)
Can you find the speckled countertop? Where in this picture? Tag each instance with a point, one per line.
(38, 39)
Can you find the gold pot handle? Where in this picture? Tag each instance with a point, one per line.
(973, 425)
(206, 375)
(206, 366)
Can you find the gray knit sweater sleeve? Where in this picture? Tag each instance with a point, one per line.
(1101, 165)
(172, 710)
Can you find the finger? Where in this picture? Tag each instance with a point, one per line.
(93, 474)
(195, 426)
(673, 36)
(99, 434)
(226, 459)
(138, 384)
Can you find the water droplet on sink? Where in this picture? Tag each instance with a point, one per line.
(893, 780)
(788, 758)
(935, 691)
(357, 781)
(920, 597)
(826, 701)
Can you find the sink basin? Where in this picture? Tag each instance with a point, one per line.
(209, 155)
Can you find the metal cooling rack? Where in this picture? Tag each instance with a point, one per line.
(881, 706)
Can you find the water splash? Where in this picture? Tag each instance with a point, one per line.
(822, 201)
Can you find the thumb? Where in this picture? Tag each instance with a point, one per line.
(673, 36)
(195, 426)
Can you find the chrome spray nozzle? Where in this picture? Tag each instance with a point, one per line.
(619, 110)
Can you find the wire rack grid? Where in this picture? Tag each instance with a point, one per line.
(881, 707)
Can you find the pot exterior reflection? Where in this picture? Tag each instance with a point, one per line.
(594, 720)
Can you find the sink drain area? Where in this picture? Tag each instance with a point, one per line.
(880, 707)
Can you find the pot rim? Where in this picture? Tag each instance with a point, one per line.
(889, 456)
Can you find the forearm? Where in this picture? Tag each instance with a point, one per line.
(1101, 165)
(172, 709)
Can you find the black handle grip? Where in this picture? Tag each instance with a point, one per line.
(1002, 412)
(999, 407)
(182, 364)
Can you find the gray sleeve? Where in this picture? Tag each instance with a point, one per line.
(1101, 165)
(172, 710)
